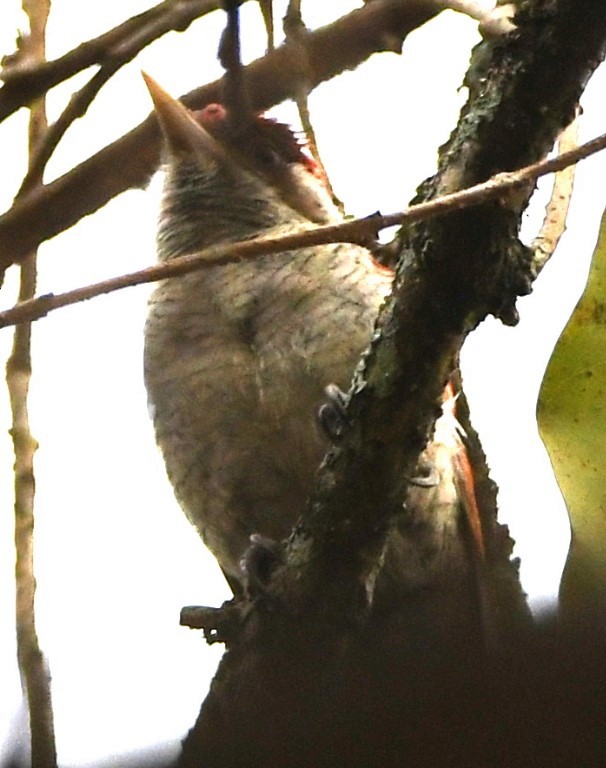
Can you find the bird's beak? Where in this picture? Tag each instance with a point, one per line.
(182, 133)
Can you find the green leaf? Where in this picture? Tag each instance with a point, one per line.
(572, 423)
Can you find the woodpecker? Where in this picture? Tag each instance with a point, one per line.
(238, 356)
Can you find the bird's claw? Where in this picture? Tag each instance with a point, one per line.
(259, 561)
(332, 414)
(428, 476)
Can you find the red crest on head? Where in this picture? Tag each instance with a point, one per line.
(287, 145)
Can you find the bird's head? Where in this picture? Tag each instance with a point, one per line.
(265, 158)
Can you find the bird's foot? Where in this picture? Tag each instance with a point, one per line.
(332, 415)
(259, 561)
(428, 476)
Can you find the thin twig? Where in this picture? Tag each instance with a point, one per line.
(494, 21)
(24, 84)
(77, 107)
(556, 212)
(234, 92)
(294, 30)
(35, 679)
(267, 11)
(354, 230)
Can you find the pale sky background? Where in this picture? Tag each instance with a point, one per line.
(116, 559)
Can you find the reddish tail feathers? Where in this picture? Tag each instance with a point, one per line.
(464, 475)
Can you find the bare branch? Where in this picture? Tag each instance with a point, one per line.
(77, 107)
(130, 160)
(220, 625)
(24, 84)
(267, 11)
(493, 21)
(234, 92)
(294, 31)
(35, 679)
(354, 230)
(556, 213)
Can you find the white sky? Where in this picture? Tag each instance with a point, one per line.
(116, 559)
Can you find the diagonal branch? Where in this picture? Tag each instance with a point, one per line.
(76, 108)
(22, 85)
(353, 230)
(129, 161)
(453, 271)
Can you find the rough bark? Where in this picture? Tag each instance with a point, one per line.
(315, 677)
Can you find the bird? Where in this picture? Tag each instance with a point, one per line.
(239, 357)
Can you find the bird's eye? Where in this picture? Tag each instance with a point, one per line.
(268, 158)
